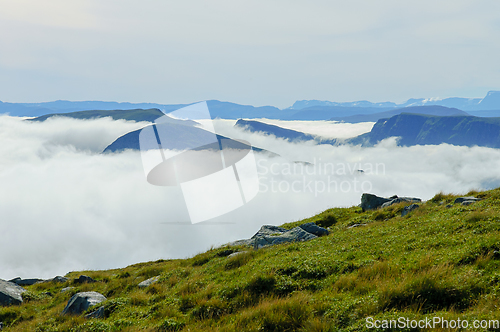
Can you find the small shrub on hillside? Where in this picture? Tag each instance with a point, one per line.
(327, 221)
(261, 284)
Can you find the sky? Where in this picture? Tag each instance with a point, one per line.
(249, 52)
(67, 207)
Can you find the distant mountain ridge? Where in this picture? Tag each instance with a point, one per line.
(421, 129)
(488, 106)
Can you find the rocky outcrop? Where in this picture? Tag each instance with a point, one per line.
(10, 293)
(59, 279)
(81, 302)
(466, 200)
(408, 209)
(269, 235)
(84, 279)
(401, 200)
(312, 228)
(25, 282)
(373, 202)
(149, 282)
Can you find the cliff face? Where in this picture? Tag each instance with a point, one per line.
(418, 129)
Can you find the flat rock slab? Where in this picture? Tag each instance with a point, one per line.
(269, 230)
(462, 199)
(10, 293)
(312, 228)
(356, 225)
(401, 200)
(294, 235)
(81, 302)
(25, 282)
(149, 282)
(373, 202)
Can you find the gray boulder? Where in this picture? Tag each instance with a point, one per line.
(59, 279)
(312, 228)
(10, 293)
(84, 279)
(372, 202)
(408, 209)
(245, 242)
(294, 235)
(25, 282)
(402, 199)
(149, 282)
(269, 230)
(81, 302)
(65, 289)
(234, 254)
(99, 313)
(462, 199)
(465, 203)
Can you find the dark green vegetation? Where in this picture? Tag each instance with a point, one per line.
(437, 261)
(418, 129)
(132, 115)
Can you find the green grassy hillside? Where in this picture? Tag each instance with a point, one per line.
(437, 261)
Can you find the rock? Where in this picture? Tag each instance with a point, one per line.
(59, 279)
(81, 302)
(245, 242)
(10, 293)
(25, 282)
(449, 206)
(465, 203)
(402, 199)
(294, 235)
(408, 209)
(149, 282)
(462, 199)
(356, 225)
(84, 279)
(234, 254)
(269, 230)
(312, 228)
(372, 202)
(65, 289)
(99, 313)
(1, 325)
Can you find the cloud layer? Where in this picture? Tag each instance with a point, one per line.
(66, 207)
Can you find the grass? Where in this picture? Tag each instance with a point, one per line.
(438, 260)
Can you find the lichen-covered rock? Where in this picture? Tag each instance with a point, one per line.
(81, 302)
(269, 230)
(59, 279)
(10, 293)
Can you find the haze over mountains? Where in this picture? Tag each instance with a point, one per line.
(489, 106)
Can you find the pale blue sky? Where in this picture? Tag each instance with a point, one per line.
(253, 52)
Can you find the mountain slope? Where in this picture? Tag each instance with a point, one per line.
(439, 261)
(418, 129)
(429, 110)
